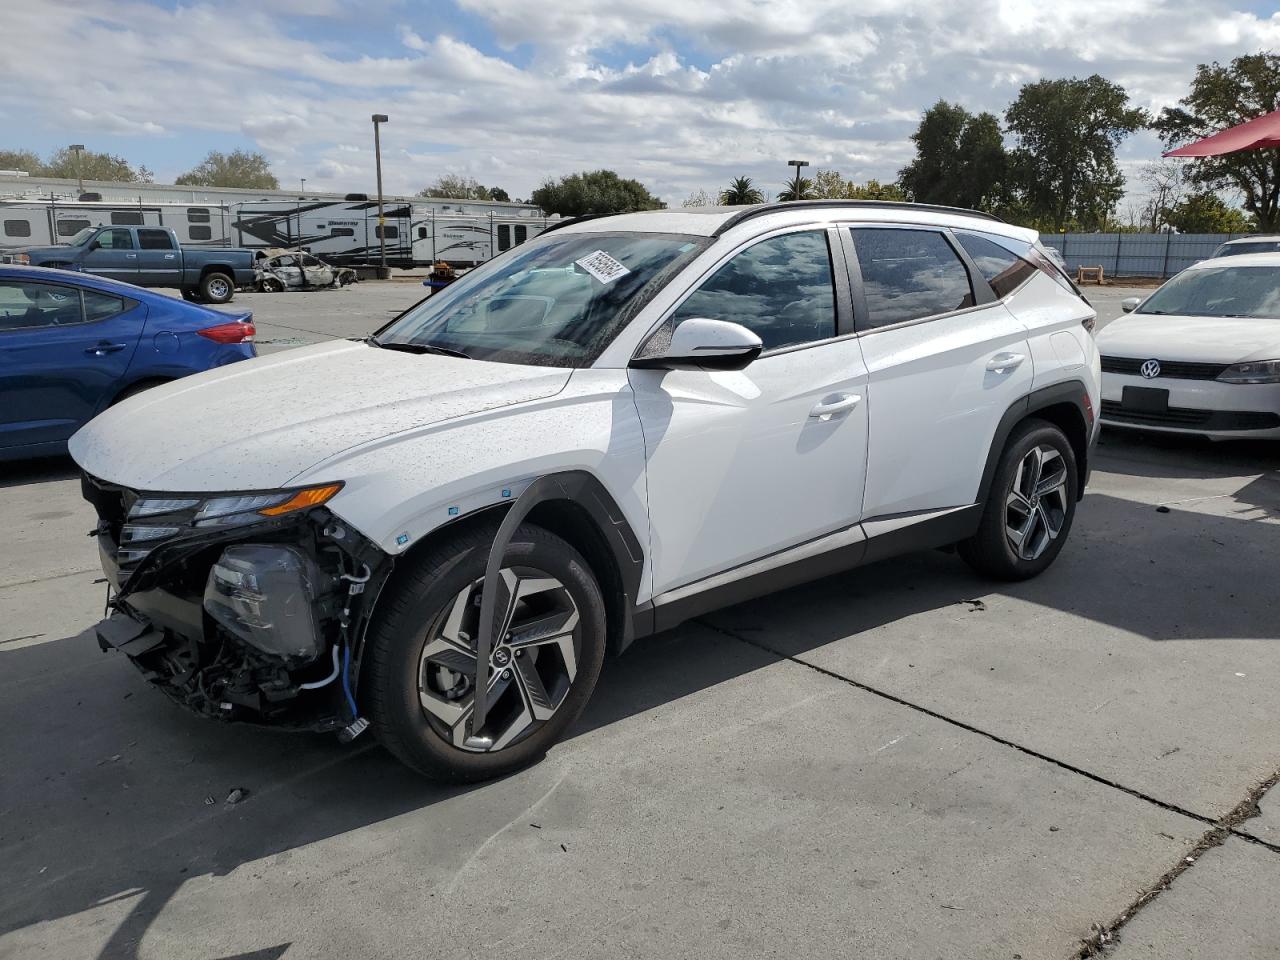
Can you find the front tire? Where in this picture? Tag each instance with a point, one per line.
(419, 685)
(1030, 506)
(217, 288)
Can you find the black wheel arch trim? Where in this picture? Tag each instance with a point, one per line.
(1072, 392)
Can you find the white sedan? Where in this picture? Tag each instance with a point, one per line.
(1201, 355)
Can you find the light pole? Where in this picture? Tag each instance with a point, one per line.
(304, 185)
(77, 149)
(795, 190)
(380, 118)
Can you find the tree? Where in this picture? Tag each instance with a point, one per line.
(699, 198)
(25, 160)
(452, 186)
(1223, 97)
(1067, 132)
(741, 192)
(239, 168)
(91, 165)
(497, 193)
(830, 185)
(960, 159)
(593, 192)
(1205, 212)
(1164, 181)
(790, 191)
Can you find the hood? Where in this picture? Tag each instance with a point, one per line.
(256, 424)
(59, 250)
(1204, 339)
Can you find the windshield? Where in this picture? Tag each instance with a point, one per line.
(82, 237)
(557, 300)
(1240, 249)
(1219, 292)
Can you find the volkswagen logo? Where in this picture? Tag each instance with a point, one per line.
(1150, 369)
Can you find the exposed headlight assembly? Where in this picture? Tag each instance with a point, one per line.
(266, 595)
(1257, 371)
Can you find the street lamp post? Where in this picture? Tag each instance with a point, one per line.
(304, 185)
(77, 149)
(795, 190)
(380, 118)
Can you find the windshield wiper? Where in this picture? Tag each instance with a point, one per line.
(418, 348)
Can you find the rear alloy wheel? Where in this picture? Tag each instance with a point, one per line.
(419, 679)
(1030, 505)
(217, 288)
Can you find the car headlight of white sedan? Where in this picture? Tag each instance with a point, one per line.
(1257, 371)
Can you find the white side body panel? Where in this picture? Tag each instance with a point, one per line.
(1061, 346)
(934, 406)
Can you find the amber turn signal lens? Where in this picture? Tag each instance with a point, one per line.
(303, 499)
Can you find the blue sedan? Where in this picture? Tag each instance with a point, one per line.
(72, 344)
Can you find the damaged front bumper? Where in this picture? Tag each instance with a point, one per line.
(254, 616)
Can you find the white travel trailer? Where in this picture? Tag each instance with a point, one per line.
(468, 240)
(30, 222)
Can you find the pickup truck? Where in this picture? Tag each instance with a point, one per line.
(148, 257)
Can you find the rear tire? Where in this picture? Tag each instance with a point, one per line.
(217, 287)
(416, 685)
(1030, 506)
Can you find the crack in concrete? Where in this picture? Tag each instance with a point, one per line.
(1102, 935)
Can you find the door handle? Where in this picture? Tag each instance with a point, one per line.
(131, 256)
(102, 349)
(1005, 361)
(841, 402)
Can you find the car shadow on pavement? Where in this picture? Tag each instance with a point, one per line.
(109, 792)
(16, 473)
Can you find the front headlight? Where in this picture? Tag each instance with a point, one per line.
(22, 258)
(1258, 371)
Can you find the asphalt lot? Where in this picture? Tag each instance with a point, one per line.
(900, 761)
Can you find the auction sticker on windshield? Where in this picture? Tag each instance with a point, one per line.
(602, 266)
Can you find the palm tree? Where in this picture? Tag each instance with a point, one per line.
(791, 193)
(740, 193)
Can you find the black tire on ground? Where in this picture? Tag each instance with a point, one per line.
(272, 285)
(411, 606)
(992, 551)
(217, 287)
(191, 294)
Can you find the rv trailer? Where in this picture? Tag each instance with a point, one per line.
(29, 222)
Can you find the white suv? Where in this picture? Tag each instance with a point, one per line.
(621, 424)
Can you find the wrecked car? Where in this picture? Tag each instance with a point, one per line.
(300, 271)
(441, 530)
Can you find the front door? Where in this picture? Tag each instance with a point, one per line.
(945, 361)
(112, 254)
(159, 263)
(747, 463)
(63, 357)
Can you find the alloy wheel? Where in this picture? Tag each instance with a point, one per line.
(1036, 504)
(219, 288)
(531, 668)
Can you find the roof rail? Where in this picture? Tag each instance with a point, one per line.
(761, 209)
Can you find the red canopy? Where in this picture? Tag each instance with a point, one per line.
(1263, 131)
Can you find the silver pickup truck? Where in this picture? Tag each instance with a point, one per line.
(148, 257)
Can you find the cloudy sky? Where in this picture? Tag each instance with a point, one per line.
(678, 93)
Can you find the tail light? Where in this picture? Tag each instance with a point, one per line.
(237, 331)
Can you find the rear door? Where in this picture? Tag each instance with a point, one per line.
(945, 360)
(159, 261)
(113, 254)
(64, 354)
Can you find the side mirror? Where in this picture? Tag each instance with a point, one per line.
(1130, 304)
(701, 344)
(94, 245)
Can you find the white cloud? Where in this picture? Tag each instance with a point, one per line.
(679, 94)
